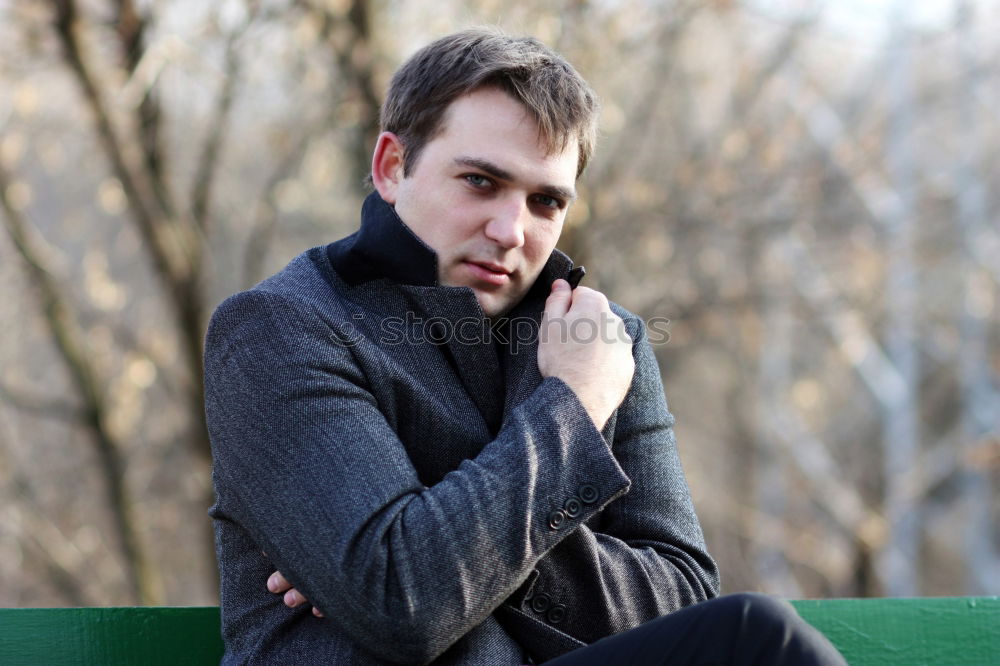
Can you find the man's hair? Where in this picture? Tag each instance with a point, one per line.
(554, 94)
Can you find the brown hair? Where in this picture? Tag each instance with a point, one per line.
(553, 93)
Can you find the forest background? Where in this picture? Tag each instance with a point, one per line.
(807, 190)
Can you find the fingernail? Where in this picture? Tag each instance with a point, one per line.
(272, 583)
(291, 599)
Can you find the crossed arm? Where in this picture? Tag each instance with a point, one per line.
(641, 557)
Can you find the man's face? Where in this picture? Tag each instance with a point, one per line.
(488, 198)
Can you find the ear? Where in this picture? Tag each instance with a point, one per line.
(387, 166)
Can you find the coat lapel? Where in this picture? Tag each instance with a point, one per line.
(455, 324)
(523, 324)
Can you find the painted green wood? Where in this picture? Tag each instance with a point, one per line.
(109, 636)
(869, 632)
(910, 632)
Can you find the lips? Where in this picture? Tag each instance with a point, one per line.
(493, 268)
(488, 272)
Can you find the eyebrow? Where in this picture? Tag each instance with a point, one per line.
(567, 194)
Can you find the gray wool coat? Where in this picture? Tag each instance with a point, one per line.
(409, 470)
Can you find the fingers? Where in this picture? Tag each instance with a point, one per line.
(584, 298)
(563, 300)
(276, 583)
(294, 598)
(559, 300)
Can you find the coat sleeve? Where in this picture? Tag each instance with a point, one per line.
(307, 465)
(641, 557)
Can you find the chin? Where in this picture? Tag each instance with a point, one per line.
(493, 307)
(493, 311)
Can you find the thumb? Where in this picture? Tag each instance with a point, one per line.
(558, 302)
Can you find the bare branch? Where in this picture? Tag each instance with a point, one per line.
(46, 542)
(847, 327)
(70, 345)
(264, 219)
(129, 340)
(175, 246)
(61, 410)
(828, 128)
(170, 259)
(201, 195)
(642, 114)
(350, 38)
(840, 501)
(131, 28)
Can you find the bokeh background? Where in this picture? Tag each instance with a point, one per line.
(807, 190)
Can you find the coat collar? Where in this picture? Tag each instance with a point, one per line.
(385, 248)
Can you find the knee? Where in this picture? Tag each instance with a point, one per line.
(764, 604)
(772, 626)
(759, 612)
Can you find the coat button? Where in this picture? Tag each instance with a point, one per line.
(587, 493)
(556, 614)
(540, 602)
(572, 507)
(557, 519)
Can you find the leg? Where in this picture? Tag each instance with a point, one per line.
(735, 630)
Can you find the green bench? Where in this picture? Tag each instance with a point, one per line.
(869, 632)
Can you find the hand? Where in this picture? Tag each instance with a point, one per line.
(276, 583)
(584, 343)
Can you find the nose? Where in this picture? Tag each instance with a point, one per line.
(506, 226)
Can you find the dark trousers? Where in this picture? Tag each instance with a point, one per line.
(735, 630)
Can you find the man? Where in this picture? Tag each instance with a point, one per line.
(441, 487)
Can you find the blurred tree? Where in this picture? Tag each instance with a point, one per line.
(802, 192)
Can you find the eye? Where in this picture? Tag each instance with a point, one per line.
(478, 180)
(549, 202)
